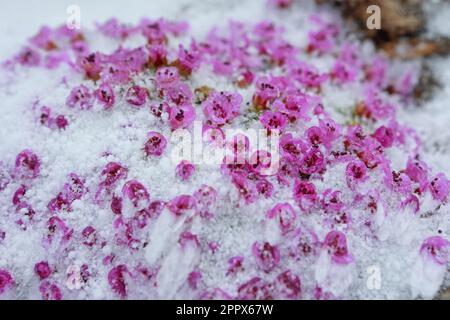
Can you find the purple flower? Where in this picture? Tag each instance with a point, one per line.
(156, 144)
(184, 170)
(167, 77)
(274, 120)
(136, 193)
(385, 136)
(105, 96)
(267, 256)
(436, 248)
(288, 285)
(116, 279)
(255, 289)
(6, 281)
(136, 96)
(181, 204)
(305, 194)
(221, 107)
(439, 187)
(27, 164)
(181, 116)
(284, 215)
(80, 97)
(43, 270)
(336, 244)
(50, 291)
(355, 172)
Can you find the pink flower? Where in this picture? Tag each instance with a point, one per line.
(167, 77)
(157, 55)
(180, 94)
(112, 173)
(439, 187)
(385, 136)
(61, 122)
(311, 162)
(136, 96)
(89, 236)
(80, 97)
(181, 204)
(255, 289)
(284, 215)
(136, 193)
(58, 232)
(27, 164)
(306, 74)
(288, 285)
(305, 194)
(267, 90)
(205, 195)
(436, 248)
(235, 265)
(417, 171)
(331, 201)
(188, 60)
(28, 57)
(181, 116)
(19, 194)
(157, 109)
(336, 244)
(6, 281)
(116, 279)
(155, 145)
(356, 172)
(50, 291)
(184, 170)
(281, 4)
(43, 270)
(105, 95)
(221, 108)
(273, 120)
(267, 256)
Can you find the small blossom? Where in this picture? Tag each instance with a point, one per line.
(437, 249)
(288, 285)
(385, 136)
(284, 215)
(221, 108)
(136, 193)
(305, 194)
(356, 172)
(184, 170)
(50, 291)
(136, 96)
(235, 265)
(43, 270)
(155, 145)
(167, 77)
(439, 187)
(6, 281)
(116, 279)
(181, 204)
(105, 96)
(89, 236)
(27, 164)
(273, 120)
(336, 244)
(255, 289)
(181, 116)
(80, 97)
(267, 256)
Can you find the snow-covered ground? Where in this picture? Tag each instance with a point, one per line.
(235, 228)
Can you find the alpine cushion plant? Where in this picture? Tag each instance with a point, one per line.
(95, 195)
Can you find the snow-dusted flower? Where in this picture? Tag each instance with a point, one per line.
(155, 145)
(43, 270)
(27, 164)
(284, 214)
(184, 170)
(6, 281)
(221, 107)
(80, 97)
(136, 96)
(50, 291)
(105, 96)
(267, 256)
(336, 244)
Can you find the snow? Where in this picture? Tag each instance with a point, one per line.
(236, 227)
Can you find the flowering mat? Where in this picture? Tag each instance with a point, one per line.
(93, 205)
